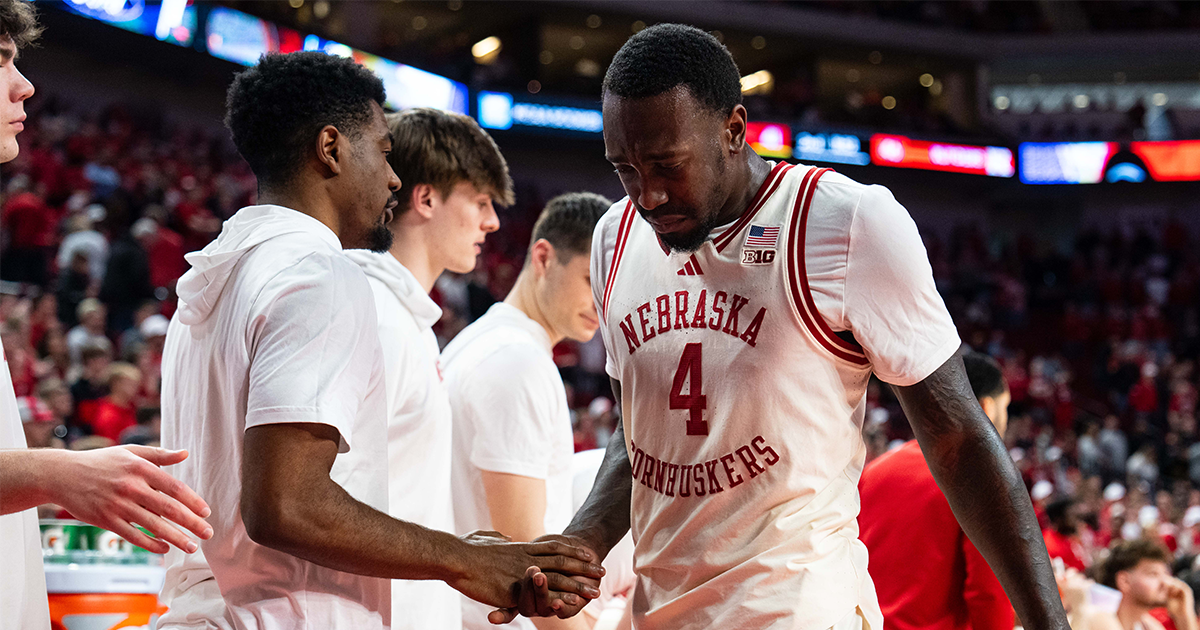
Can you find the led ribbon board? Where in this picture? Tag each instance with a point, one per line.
(172, 21)
(500, 110)
(769, 139)
(900, 151)
(1172, 161)
(1067, 162)
(839, 148)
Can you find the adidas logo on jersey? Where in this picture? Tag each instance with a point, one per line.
(692, 268)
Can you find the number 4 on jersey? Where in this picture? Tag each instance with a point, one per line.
(694, 401)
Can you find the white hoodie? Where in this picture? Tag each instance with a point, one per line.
(419, 429)
(275, 325)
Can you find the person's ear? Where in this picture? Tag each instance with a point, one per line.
(540, 257)
(424, 200)
(735, 129)
(331, 149)
(1122, 581)
(989, 406)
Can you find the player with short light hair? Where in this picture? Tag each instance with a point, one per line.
(744, 305)
(512, 428)
(451, 175)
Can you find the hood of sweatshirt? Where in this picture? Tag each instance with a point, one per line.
(200, 288)
(401, 282)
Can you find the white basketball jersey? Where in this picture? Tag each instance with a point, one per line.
(742, 415)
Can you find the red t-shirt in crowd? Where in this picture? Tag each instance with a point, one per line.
(1060, 546)
(927, 574)
(111, 419)
(166, 258)
(30, 222)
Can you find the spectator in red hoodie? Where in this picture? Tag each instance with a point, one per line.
(117, 411)
(927, 574)
(1062, 536)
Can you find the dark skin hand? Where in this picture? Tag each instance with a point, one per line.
(289, 503)
(604, 517)
(972, 467)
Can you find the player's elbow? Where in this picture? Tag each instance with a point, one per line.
(272, 521)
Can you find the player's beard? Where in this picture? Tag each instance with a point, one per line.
(379, 239)
(690, 241)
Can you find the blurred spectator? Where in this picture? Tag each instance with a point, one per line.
(30, 225)
(81, 238)
(39, 423)
(92, 383)
(126, 282)
(131, 338)
(1063, 536)
(1141, 571)
(74, 286)
(117, 411)
(146, 431)
(163, 247)
(90, 331)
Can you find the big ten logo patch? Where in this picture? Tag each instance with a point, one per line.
(758, 256)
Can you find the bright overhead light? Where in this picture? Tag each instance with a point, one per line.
(889, 102)
(926, 80)
(757, 83)
(1002, 103)
(486, 50)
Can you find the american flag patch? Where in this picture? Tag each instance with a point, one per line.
(762, 236)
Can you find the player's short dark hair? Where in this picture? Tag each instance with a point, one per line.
(1127, 554)
(987, 380)
(568, 221)
(441, 149)
(664, 56)
(275, 109)
(18, 21)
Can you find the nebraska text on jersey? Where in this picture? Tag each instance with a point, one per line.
(685, 309)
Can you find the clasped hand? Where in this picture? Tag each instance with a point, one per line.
(552, 576)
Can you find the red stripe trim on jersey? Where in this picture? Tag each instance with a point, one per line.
(622, 236)
(696, 265)
(798, 278)
(760, 198)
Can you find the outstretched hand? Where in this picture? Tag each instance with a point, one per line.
(535, 579)
(118, 486)
(539, 596)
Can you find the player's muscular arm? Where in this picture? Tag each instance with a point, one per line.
(517, 506)
(289, 503)
(604, 517)
(975, 472)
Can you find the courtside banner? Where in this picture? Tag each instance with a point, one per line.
(904, 152)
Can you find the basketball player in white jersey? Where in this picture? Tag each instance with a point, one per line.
(451, 173)
(513, 442)
(273, 376)
(744, 305)
(113, 488)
